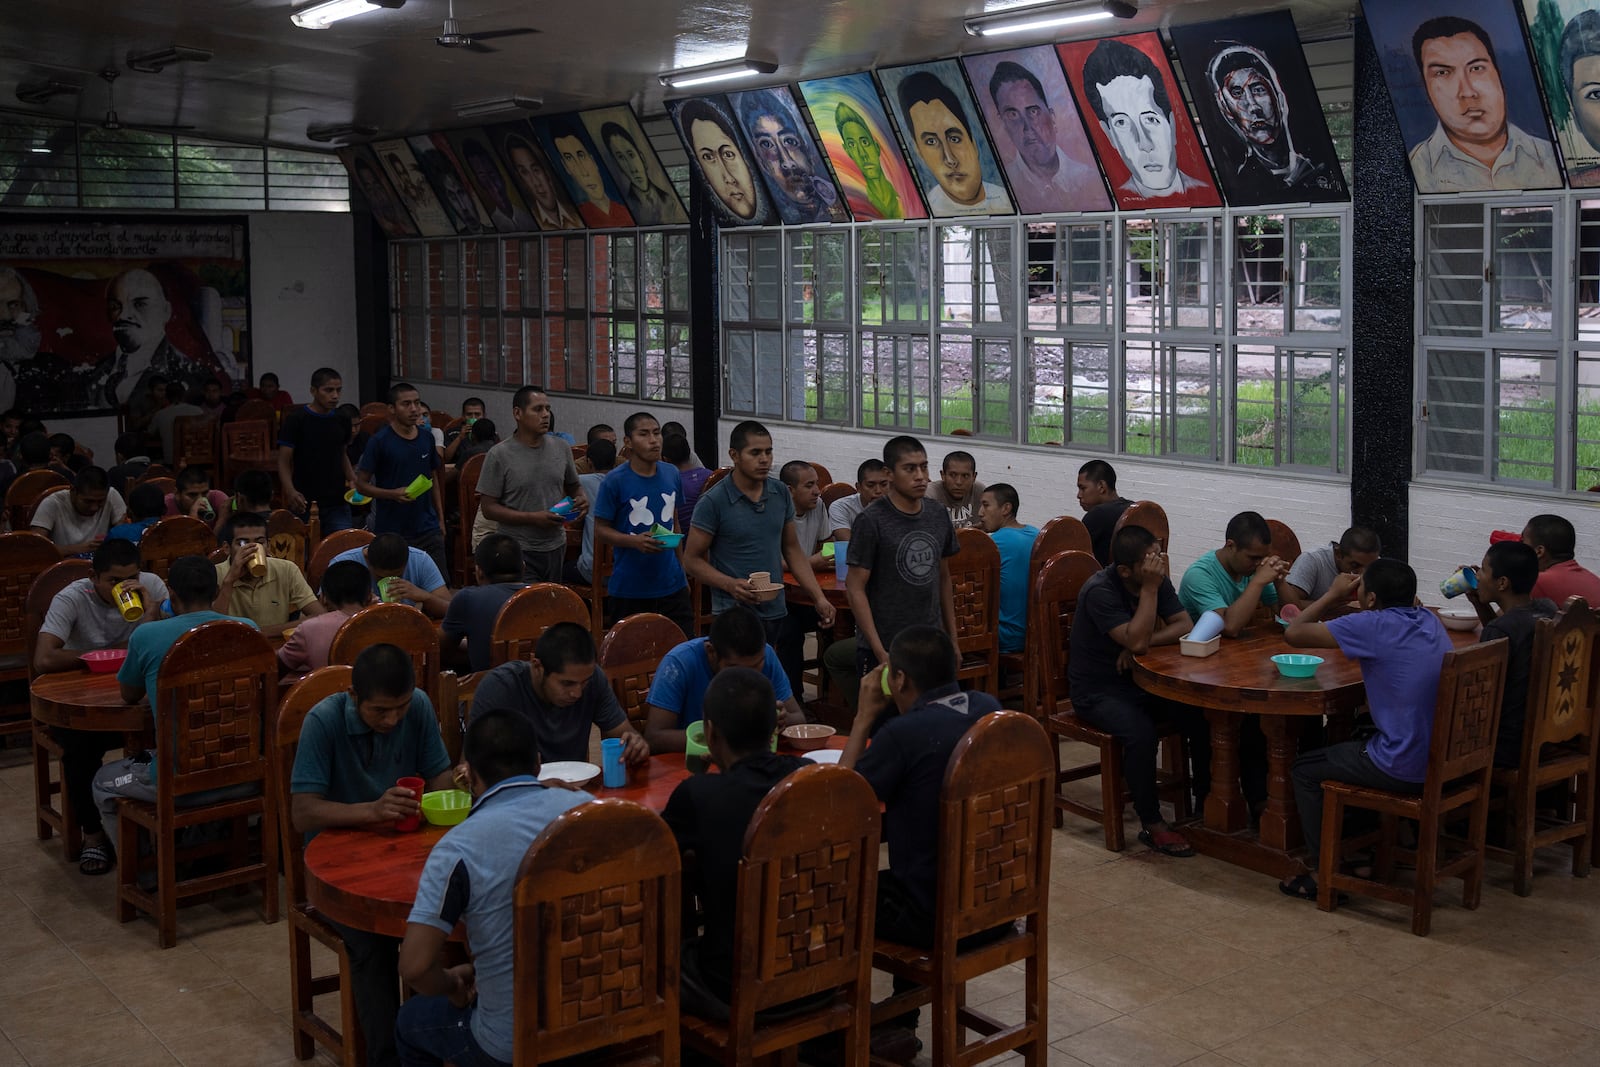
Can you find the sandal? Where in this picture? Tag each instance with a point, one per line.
(1166, 841)
(96, 859)
(1301, 887)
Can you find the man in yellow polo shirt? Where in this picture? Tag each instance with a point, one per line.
(270, 600)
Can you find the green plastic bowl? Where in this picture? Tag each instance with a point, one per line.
(446, 807)
(1292, 665)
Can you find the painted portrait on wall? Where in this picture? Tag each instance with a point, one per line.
(717, 154)
(1262, 117)
(367, 175)
(577, 161)
(635, 168)
(490, 181)
(1038, 134)
(541, 187)
(944, 135)
(1464, 94)
(1566, 44)
(444, 172)
(860, 143)
(1140, 128)
(409, 183)
(797, 179)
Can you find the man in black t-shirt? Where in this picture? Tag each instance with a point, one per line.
(1505, 581)
(312, 465)
(1102, 506)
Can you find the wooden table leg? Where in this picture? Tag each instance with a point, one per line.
(1280, 822)
(1225, 806)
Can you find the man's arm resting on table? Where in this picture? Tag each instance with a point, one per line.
(313, 811)
(51, 654)
(635, 749)
(662, 732)
(1306, 631)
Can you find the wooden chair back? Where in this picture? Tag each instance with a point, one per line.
(194, 442)
(1466, 716)
(392, 624)
(289, 538)
(154, 471)
(1149, 514)
(218, 691)
(835, 492)
(24, 494)
(371, 424)
(335, 544)
(824, 476)
(257, 411)
(1052, 605)
(49, 491)
(247, 439)
(527, 614)
(296, 704)
(975, 581)
(467, 510)
(41, 592)
(600, 568)
(24, 557)
(454, 708)
(716, 476)
(1064, 533)
(580, 451)
(597, 935)
(1562, 685)
(631, 653)
(1285, 545)
(375, 407)
(168, 486)
(172, 537)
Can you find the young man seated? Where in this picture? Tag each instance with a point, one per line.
(958, 490)
(997, 514)
(252, 492)
(354, 748)
(872, 482)
(473, 409)
(466, 1014)
(678, 691)
(417, 578)
(271, 600)
(1401, 648)
(1313, 573)
(79, 519)
(195, 498)
(1506, 604)
(810, 513)
(469, 621)
(564, 693)
(146, 503)
(84, 616)
(1102, 505)
(709, 815)
(1561, 577)
(346, 589)
(133, 459)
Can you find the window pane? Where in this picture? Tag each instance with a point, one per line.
(1287, 407)
(1588, 271)
(1316, 268)
(39, 163)
(1170, 399)
(755, 372)
(894, 276)
(1523, 262)
(577, 268)
(1525, 414)
(617, 371)
(975, 385)
(577, 377)
(1190, 292)
(1453, 265)
(532, 296)
(1587, 474)
(221, 176)
(677, 273)
(1258, 245)
(125, 168)
(1455, 405)
(819, 277)
(894, 381)
(819, 366)
(1140, 273)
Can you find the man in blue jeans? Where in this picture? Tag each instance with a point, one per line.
(466, 1014)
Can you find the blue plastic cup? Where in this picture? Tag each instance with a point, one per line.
(612, 771)
(840, 567)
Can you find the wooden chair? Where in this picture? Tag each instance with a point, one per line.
(257, 411)
(597, 938)
(49, 491)
(247, 444)
(1051, 610)
(23, 558)
(371, 424)
(1460, 763)
(824, 476)
(289, 538)
(467, 514)
(716, 476)
(24, 493)
(993, 869)
(1064, 533)
(836, 492)
(194, 443)
(454, 708)
(48, 817)
(343, 1042)
(1149, 514)
(1558, 746)
(525, 617)
(807, 900)
(168, 486)
(218, 690)
(630, 654)
(975, 580)
(594, 594)
(375, 407)
(1285, 545)
(335, 544)
(171, 538)
(392, 624)
(154, 471)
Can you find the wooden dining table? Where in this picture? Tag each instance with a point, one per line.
(79, 700)
(1240, 679)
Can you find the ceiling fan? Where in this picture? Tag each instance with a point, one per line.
(453, 37)
(111, 121)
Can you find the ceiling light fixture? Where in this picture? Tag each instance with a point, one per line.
(498, 106)
(324, 13)
(157, 61)
(1048, 16)
(728, 70)
(342, 131)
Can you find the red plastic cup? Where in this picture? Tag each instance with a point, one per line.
(411, 822)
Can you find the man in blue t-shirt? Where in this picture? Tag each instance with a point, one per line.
(1401, 648)
(634, 499)
(397, 456)
(997, 514)
(417, 580)
(466, 1013)
(678, 691)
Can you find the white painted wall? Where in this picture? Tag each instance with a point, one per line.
(573, 414)
(1450, 526)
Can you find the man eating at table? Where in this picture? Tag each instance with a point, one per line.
(1401, 648)
(1506, 579)
(466, 1014)
(270, 600)
(354, 749)
(1314, 571)
(346, 589)
(564, 693)
(82, 617)
(416, 578)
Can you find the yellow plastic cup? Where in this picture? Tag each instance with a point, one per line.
(130, 601)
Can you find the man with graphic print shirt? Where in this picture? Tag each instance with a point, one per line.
(632, 501)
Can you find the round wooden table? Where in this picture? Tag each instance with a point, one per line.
(78, 700)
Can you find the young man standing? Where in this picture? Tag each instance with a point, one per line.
(397, 455)
(312, 465)
(271, 600)
(633, 500)
(1102, 506)
(997, 514)
(1506, 580)
(602, 459)
(1312, 574)
(872, 481)
(1561, 577)
(468, 625)
(678, 691)
(525, 476)
(958, 490)
(79, 519)
(676, 451)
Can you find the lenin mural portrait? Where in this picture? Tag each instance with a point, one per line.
(718, 156)
(860, 143)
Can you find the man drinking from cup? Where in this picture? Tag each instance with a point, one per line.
(254, 585)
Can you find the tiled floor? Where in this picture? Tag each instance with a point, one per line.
(1153, 961)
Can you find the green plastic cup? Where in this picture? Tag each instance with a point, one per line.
(386, 591)
(419, 485)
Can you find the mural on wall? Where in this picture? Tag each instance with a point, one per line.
(542, 189)
(367, 175)
(1037, 131)
(438, 161)
(577, 161)
(411, 185)
(634, 166)
(90, 311)
(490, 181)
(1262, 118)
(941, 127)
(717, 154)
(860, 143)
(1140, 128)
(1566, 43)
(797, 179)
(1464, 94)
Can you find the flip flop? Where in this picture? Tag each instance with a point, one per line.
(1168, 842)
(1304, 887)
(96, 859)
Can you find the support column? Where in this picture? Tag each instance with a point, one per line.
(705, 333)
(374, 354)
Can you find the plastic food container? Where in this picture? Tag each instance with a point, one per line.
(1295, 665)
(446, 807)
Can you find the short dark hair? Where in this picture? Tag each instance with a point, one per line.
(1006, 72)
(926, 87)
(127, 444)
(566, 644)
(524, 396)
(742, 706)
(673, 426)
(192, 476)
(960, 457)
(1555, 535)
(146, 501)
(1248, 528)
(346, 583)
(926, 655)
(500, 743)
(323, 375)
(91, 478)
(674, 448)
(596, 430)
(254, 486)
(1515, 562)
(1360, 539)
(1098, 470)
(478, 400)
(1393, 582)
(397, 389)
(610, 130)
(389, 552)
(1113, 59)
(1580, 38)
(792, 472)
(382, 670)
(1005, 494)
(739, 437)
(896, 448)
(33, 449)
(1130, 544)
(737, 632)
(634, 420)
(499, 557)
(1449, 26)
(114, 552)
(869, 466)
(175, 392)
(192, 580)
(267, 375)
(240, 520)
(602, 455)
(485, 430)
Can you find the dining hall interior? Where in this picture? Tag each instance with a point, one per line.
(1251, 351)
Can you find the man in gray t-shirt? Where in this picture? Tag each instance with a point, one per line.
(1313, 572)
(524, 477)
(872, 481)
